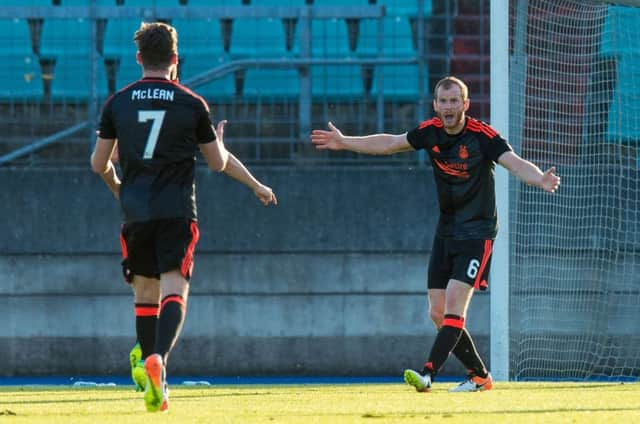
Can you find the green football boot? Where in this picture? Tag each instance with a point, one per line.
(156, 394)
(137, 368)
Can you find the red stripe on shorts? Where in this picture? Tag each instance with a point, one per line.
(488, 247)
(187, 263)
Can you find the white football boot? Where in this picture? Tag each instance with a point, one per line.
(474, 384)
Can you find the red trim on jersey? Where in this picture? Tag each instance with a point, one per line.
(187, 263)
(147, 311)
(172, 298)
(125, 88)
(436, 122)
(180, 86)
(478, 283)
(481, 127)
(204, 102)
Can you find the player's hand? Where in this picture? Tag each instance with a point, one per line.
(327, 140)
(219, 130)
(265, 195)
(550, 181)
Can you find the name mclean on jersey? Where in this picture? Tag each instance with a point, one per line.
(155, 93)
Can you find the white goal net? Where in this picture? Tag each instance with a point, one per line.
(574, 297)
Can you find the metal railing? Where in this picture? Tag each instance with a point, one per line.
(303, 60)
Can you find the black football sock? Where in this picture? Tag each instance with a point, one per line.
(146, 319)
(446, 340)
(466, 351)
(172, 314)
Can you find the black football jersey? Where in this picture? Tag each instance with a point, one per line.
(159, 125)
(464, 167)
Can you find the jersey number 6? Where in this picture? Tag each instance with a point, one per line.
(472, 270)
(156, 117)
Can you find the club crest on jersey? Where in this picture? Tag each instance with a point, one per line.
(463, 153)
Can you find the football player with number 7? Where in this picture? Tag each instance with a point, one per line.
(463, 152)
(157, 126)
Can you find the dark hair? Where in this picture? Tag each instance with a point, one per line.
(157, 42)
(447, 82)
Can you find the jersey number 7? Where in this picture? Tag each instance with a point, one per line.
(156, 117)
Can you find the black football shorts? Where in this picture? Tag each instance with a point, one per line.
(154, 247)
(463, 260)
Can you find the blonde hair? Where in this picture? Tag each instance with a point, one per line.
(447, 82)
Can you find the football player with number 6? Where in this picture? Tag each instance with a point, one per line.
(463, 153)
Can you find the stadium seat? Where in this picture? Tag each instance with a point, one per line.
(624, 104)
(341, 2)
(72, 78)
(280, 3)
(128, 70)
(212, 3)
(25, 3)
(201, 36)
(86, 2)
(616, 41)
(149, 3)
(277, 83)
(65, 37)
(20, 77)
(14, 37)
(258, 38)
(337, 82)
(397, 39)
(329, 38)
(399, 82)
(219, 89)
(118, 37)
(406, 7)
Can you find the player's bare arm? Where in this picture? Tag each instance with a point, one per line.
(102, 165)
(238, 171)
(375, 144)
(215, 153)
(530, 173)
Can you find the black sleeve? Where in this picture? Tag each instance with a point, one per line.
(204, 131)
(417, 137)
(107, 128)
(492, 148)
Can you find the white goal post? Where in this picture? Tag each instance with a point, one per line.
(499, 92)
(565, 91)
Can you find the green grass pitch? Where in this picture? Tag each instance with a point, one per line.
(374, 403)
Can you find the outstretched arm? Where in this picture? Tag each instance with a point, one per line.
(102, 165)
(375, 144)
(220, 159)
(530, 173)
(238, 171)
